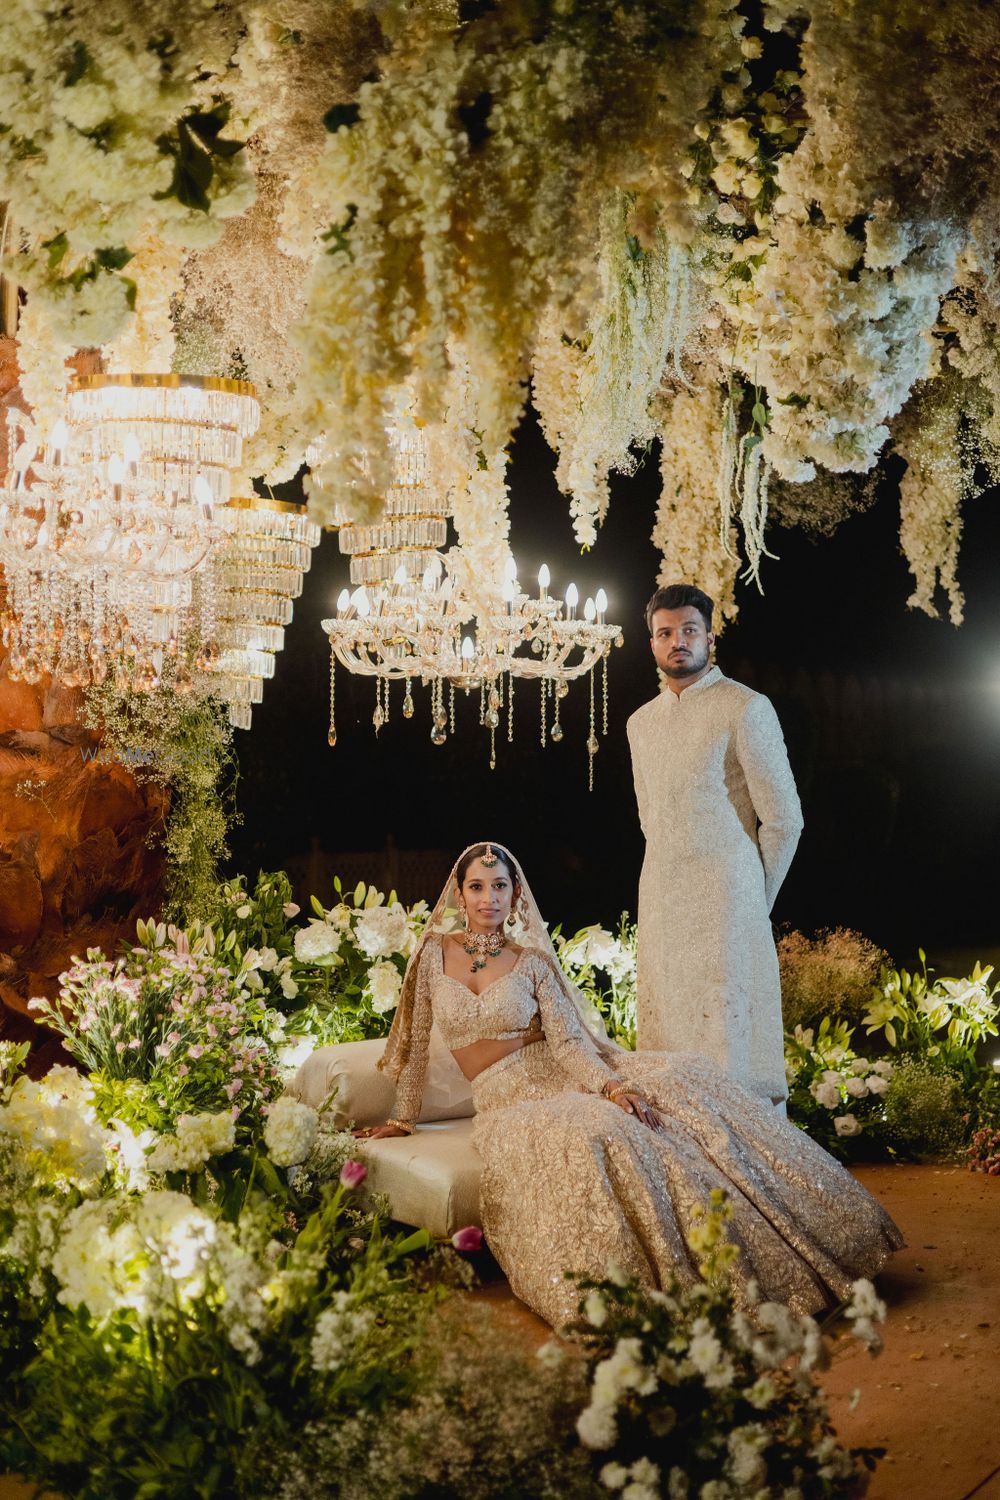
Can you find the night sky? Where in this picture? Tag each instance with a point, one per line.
(892, 722)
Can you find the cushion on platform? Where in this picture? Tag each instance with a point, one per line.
(431, 1179)
(364, 1096)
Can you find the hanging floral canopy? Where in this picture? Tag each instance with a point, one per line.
(759, 233)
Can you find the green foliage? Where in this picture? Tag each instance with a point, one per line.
(944, 1020)
(184, 744)
(926, 1111)
(197, 146)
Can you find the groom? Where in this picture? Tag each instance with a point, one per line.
(718, 806)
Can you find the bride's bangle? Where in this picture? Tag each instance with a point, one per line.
(403, 1125)
(616, 1091)
(613, 1088)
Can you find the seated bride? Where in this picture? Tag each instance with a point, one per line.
(594, 1156)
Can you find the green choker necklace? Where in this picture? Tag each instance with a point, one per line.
(483, 945)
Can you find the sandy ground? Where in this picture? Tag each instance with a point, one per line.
(932, 1398)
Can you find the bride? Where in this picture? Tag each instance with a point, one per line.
(594, 1156)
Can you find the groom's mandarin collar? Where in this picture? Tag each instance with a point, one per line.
(714, 674)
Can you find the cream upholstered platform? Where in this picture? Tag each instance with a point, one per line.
(431, 1178)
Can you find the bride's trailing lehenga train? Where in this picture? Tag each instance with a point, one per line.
(571, 1182)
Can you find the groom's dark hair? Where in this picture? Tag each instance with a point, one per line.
(680, 596)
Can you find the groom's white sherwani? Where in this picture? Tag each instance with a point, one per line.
(721, 815)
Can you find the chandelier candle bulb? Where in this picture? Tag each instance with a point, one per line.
(589, 611)
(343, 602)
(602, 604)
(544, 579)
(572, 599)
(510, 571)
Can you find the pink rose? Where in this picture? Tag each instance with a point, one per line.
(467, 1239)
(353, 1173)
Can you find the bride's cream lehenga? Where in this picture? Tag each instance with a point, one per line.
(571, 1182)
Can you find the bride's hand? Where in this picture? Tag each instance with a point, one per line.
(376, 1132)
(635, 1104)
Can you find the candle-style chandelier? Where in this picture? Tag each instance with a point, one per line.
(405, 630)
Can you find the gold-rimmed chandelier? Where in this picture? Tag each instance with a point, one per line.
(409, 630)
(107, 533)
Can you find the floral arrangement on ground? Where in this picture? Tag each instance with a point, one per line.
(200, 1296)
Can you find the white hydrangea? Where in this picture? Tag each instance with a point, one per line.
(290, 1131)
(338, 1330)
(383, 984)
(53, 1122)
(318, 942)
(197, 1138)
(382, 930)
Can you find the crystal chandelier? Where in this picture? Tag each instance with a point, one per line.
(184, 428)
(408, 629)
(105, 538)
(258, 571)
(414, 522)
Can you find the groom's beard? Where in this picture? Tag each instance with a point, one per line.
(686, 663)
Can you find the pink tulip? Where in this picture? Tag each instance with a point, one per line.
(467, 1239)
(353, 1174)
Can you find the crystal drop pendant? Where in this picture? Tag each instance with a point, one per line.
(556, 733)
(331, 738)
(407, 706)
(593, 745)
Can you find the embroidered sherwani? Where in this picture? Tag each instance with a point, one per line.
(721, 815)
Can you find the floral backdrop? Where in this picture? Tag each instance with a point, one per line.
(754, 233)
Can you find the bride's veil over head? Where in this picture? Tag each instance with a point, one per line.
(529, 931)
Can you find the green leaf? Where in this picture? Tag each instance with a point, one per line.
(339, 115)
(78, 64)
(759, 413)
(57, 248)
(419, 1240)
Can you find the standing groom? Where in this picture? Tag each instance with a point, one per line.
(718, 806)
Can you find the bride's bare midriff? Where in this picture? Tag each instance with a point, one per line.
(481, 1055)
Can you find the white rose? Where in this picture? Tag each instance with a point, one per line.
(857, 1088)
(317, 942)
(846, 1125)
(383, 985)
(826, 1094)
(382, 930)
(290, 1131)
(877, 1084)
(739, 139)
(726, 177)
